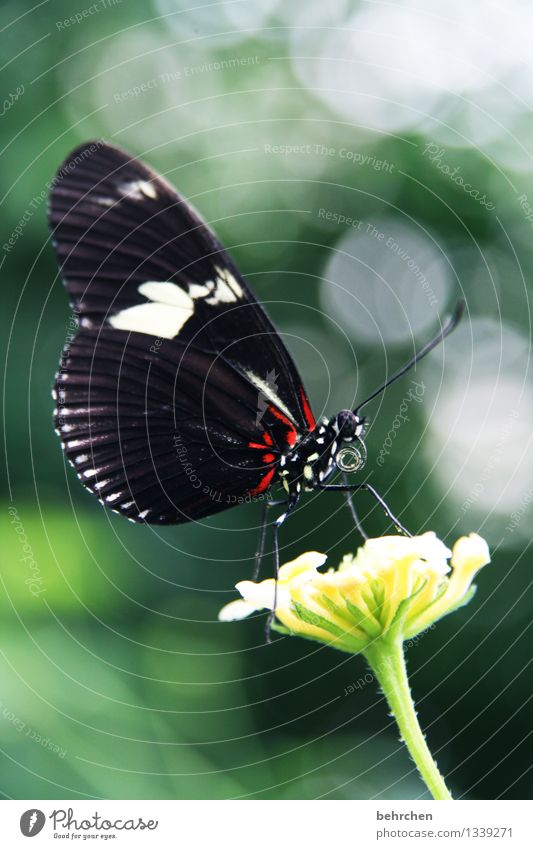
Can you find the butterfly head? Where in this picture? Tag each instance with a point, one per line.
(351, 454)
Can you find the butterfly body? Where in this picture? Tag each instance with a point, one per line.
(316, 457)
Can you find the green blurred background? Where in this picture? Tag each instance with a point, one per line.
(277, 119)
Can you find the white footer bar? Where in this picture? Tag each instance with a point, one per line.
(267, 824)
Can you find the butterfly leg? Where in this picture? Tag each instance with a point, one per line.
(353, 511)
(262, 537)
(294, 497)
(355, 487)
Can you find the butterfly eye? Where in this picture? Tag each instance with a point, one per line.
(350, 458)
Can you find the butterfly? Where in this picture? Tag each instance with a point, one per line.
(177, 398)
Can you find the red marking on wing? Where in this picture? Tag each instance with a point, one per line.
(269, 457)
(309, 417)
(264, 483)
(268, 439)
(292, 434)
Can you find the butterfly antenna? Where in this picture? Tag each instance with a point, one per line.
(449, 325)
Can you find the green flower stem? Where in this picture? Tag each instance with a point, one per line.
(387, 662)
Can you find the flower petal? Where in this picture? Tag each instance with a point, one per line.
(470, 554)
(235, 610)
(302, 568)
(259, 596)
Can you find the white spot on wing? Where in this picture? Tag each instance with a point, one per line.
(169, 309)
(222, 294)
(269, 393)
(233, 284)
(81, 458)
(227, 290)
(101, 484)
(166, 293)
(153, 319)
(171, 306)
(197, 291)
(138, 190)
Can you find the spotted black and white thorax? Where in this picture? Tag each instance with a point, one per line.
(335, 444)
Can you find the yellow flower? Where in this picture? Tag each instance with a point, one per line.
(392, 589)
(394, 586)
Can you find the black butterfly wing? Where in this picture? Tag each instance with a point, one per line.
(136, 256)
(177, 397)
(162, 437)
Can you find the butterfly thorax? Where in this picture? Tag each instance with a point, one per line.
(335, 444)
